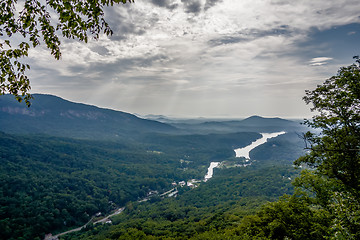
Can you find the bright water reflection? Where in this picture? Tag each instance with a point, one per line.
(211, 170)
(245, 151)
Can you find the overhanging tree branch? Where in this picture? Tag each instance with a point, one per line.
(76, 19)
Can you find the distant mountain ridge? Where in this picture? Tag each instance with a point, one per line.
(53, 115)
(256, 120)
(251, 124)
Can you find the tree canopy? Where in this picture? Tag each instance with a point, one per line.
(28, 23)
(336, 151)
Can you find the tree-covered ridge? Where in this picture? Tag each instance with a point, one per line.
(55, 116)
(282, 149)
(250, 124)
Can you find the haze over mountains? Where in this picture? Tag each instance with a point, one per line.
(250, 124)
(53, 115)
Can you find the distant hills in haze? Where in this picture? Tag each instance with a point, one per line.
(250, 124)
(53, 115)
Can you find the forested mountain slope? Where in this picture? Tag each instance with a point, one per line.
(51, 183)
(53, 115)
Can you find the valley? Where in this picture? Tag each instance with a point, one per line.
(242, 152)
(74, 166)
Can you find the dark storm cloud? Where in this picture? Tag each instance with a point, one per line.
(279, 2)
(211, 3)
(122, 31)
(192, 6)
(227, 40)
(250, 35)
(100, 50)
(121, 25)
(165, 4)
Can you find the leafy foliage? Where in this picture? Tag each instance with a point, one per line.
(289, 218)
(33, 23)
(336, 151)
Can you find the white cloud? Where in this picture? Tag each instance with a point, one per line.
(233, 50)
(319, 61)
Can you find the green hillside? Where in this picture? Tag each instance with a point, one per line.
(63, 162)
(53, 115)
(218, 205)
(49, 184)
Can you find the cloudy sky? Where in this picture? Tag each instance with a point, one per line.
(209, 58)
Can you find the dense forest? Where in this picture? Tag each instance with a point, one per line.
(217, 205)
(50, 184)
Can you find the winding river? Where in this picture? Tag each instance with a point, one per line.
(245, 151)
(210, 171)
